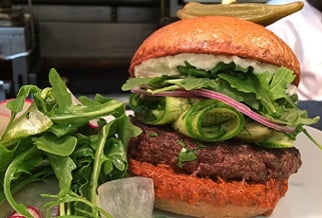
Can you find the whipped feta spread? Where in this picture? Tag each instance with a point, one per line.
(168, 64)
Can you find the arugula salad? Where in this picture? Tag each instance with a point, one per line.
(53, 138)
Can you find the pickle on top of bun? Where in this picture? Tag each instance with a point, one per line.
(216, 99)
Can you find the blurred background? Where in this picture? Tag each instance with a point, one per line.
(89, 42)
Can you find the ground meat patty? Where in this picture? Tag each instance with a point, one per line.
(229, 160)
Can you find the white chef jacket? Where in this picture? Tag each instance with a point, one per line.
(302, 31)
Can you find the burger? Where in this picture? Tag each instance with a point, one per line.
(216, 100)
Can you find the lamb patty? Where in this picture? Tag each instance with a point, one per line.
(227, 160)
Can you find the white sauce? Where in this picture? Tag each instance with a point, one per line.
(167, 65)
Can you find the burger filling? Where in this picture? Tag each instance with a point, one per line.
(229, 98)
(230, 160)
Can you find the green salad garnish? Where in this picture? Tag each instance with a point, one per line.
(54, 138)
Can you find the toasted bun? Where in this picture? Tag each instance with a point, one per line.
(200, 197)
(217, 35)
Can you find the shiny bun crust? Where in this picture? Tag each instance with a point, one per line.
(217, 35)
(200, 197)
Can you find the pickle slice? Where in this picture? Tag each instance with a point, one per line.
(260, 13)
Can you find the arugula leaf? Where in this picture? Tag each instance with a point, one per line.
(279, 83)
(6, 155)
(134, 82)
(61, 129)
(32, 122)
(17, 166)
(26, 179)
(62, 167)
(190, 70)
(16, 105)
(98, 161)
(126, 129)
(190, 83)
(250, 84)
(70, 197)
(81, 114)
(63, 98)
(186, 155)
(63, 146)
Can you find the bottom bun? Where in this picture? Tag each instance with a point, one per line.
(207, 210)
(202, 197)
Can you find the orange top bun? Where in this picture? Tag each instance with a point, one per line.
(217, 35)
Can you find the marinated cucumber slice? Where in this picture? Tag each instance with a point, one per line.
(254, 131)
(277, 140)
(264, 136)
(159, 110)
(210, 120)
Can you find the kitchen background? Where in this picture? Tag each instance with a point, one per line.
(89, 42)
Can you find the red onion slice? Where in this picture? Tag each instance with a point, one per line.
(225, 99)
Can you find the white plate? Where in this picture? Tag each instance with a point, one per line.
(304, 196)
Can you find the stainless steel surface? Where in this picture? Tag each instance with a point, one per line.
(10, 17)
(93, 30)
(17, 41)
(4, 89)
(15, 45)
(95, 14)
(90, 40)
(12, 41)
(87, 42)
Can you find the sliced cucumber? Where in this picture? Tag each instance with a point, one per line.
(159, 110)
(254, 131)
(277, 140)
(264, 136)
(211, 121)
